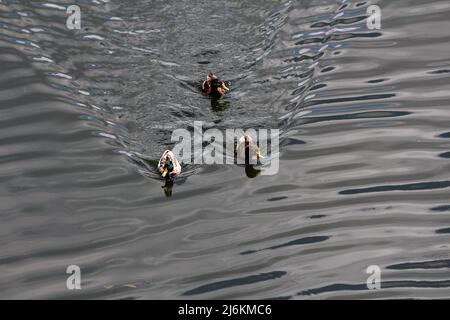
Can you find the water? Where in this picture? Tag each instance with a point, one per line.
(364, 158)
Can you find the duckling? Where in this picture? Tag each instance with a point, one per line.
(168, 165)
(248, 150)
(214, 87)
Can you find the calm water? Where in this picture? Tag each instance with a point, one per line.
(364, 160)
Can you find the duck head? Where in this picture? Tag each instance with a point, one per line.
(168, 167)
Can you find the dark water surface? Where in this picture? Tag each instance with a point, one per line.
(365, 149)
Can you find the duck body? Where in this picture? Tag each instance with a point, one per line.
(248, 150)
(214, 87)
(168, 165)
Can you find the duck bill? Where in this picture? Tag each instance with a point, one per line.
(258, 154)
(164, 173)
(224, 87)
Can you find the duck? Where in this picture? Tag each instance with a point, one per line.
(213, 86)
(168, 165)
(245, 145)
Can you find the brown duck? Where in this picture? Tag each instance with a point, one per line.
(213, 86)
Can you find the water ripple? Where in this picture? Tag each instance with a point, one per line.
(364, 150)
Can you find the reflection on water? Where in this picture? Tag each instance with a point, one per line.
(219, 105)
(364, 149)
(168, 187)
(250, 171)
